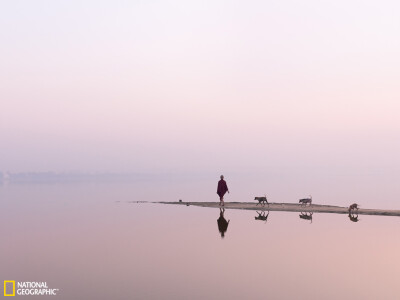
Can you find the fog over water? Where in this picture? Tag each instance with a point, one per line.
(106, 104)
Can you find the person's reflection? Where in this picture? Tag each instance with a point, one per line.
(222, 223)
(353, 217)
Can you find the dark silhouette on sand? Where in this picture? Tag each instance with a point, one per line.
(306, 201)
(222, 223)
(353, 208)
(262, 200)
(221, 190)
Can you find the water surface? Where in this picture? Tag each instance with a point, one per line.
(93, 242)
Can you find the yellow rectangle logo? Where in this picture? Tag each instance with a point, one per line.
(5, 287)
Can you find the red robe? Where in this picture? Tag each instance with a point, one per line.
(222, 188)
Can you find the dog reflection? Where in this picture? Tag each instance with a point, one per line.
(306, 216)
(353, 217)
(222, 223)
(262, 216)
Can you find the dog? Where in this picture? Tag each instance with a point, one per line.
(262, 200)
(353, 207)
(305, 201)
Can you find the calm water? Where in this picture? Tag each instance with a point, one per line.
(92, 242)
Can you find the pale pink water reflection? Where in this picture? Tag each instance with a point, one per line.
(92, 242)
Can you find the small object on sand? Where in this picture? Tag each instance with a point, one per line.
(305, 201)
(353, 207)
(261, 200)
(180, 200)
(187, 204)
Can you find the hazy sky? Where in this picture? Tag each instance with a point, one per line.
(198, 85)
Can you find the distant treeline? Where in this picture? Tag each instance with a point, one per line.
(27, 177)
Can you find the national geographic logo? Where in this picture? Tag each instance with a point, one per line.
(28, 288)
(10, 284)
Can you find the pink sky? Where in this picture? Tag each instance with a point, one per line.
(183, 85)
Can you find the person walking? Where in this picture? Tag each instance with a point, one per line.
(221, 190)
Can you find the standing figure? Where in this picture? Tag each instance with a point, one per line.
(221, 190)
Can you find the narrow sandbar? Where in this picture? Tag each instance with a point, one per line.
(291, 207)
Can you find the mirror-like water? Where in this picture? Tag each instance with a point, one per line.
(92, 242)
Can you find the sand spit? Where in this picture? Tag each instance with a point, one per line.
(290, 207)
